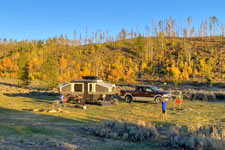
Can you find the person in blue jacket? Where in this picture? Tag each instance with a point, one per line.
(164, 101)
(62, 99)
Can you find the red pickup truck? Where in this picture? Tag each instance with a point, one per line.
(145, 93)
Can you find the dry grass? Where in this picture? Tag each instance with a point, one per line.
(59, 127)
(42, 130)
(62, 130)
(192, 112)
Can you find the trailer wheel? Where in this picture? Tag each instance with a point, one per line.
(106, 103)
(128, 99)
(78, 101)
(115, 101)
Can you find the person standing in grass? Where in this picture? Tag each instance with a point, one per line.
(179, 100)
(62, 99)
(164, 101)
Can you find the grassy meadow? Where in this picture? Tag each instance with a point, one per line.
(24, 129)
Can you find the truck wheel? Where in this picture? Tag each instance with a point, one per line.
(158, 100)
(128, 99)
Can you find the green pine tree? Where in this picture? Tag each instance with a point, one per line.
(50, 72)
(23, 73)
(140, 46)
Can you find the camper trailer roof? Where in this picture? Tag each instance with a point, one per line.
(89, 81)
(90, 77)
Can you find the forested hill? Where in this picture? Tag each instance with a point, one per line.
(174, 59)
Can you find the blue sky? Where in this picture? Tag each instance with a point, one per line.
(41, 19)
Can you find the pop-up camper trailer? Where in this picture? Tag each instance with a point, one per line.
(90, 89)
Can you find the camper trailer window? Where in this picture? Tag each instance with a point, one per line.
(78, 87)
(90, 87)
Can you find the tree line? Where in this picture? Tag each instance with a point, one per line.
(164, 52)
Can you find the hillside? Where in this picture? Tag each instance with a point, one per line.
(167, 59)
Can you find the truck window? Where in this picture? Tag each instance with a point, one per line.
(139, 89)
(78, 87)
(148, 89)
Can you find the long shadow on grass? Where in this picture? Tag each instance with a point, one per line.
(9, 84)
(18, 86)
(46, 97)
(44, 130)
(29, 119)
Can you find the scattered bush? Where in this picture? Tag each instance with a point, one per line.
(205, 138)
(124, 130)
(209, 81)
(175, 137)
(202, 95)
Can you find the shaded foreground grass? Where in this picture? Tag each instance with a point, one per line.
(62, 130)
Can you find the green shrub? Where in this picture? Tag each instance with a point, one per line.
(203, 138)
(209, 81)
(124, 130)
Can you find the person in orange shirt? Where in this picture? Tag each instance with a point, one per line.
(179, 100)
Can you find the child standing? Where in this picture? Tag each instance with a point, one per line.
(164, 108)
(62, 99)
(179, 100)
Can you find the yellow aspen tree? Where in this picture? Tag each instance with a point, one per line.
(185, 73)
(14, 73)
(143, 66)
(176, 74)
(195, 73)
(63, 64)
(74, 76)
(136, 69)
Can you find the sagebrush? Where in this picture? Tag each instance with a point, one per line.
(203, 138)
